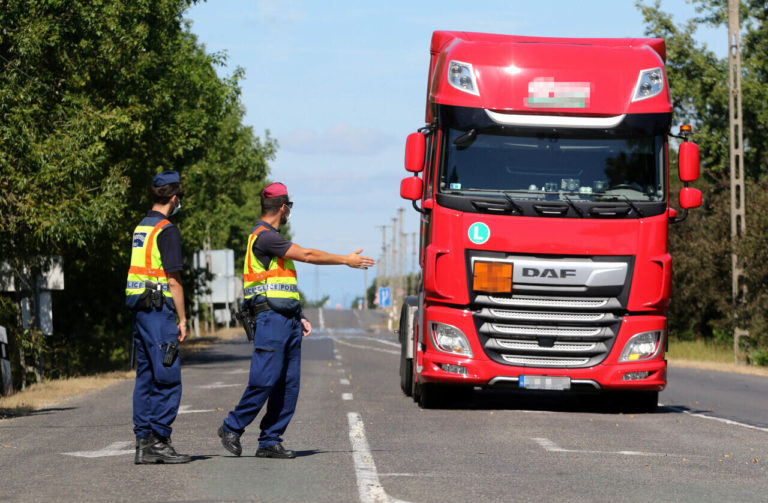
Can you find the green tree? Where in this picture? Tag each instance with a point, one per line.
(97, 96)
(701, 246)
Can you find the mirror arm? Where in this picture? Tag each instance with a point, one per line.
(678, 219)
(420, 210)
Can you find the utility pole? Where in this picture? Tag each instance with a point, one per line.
(393, 272)
(381, 267)
(401, 256)
(413, 262)
(738, 189)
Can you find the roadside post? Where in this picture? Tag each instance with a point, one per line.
(5, 364)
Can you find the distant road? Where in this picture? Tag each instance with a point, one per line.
(359, 439)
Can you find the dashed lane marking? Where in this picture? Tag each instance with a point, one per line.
(345, 382)
(346, 396)
(238, 371)
(185, 409)
(113, 449)
(368, 485)
(217, 385)
(550, 446)
(360, 346)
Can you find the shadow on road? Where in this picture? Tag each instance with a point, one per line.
(22, 410)
(553, 401)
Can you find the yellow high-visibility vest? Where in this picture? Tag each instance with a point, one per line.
(276, 282)
(146, 262)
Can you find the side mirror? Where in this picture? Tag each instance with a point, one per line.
(411, 187)
(415, 147)
(688, 161)
(690, 197)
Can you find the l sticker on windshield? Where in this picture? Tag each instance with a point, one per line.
(479, 233)
(544, 92)
(455, 186)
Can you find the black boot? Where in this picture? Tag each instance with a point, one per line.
(141, 444)
(158, 450)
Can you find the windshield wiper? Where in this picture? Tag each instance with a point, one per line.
(615, 197)
(572, 205)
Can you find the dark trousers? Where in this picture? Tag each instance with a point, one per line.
(157, 392)
(273, 379)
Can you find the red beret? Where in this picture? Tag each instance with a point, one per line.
(274, 190)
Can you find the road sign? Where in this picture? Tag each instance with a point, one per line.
(385, 296)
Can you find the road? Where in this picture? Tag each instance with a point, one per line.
(360, 439)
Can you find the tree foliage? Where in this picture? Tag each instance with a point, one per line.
(701, 247)
(97, 96)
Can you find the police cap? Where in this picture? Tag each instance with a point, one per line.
(166, 178)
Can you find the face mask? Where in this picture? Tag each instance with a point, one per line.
(176, 209)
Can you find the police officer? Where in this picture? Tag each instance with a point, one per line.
(156, 298)
(271, 293)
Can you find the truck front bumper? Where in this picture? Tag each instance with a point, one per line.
(433, 365)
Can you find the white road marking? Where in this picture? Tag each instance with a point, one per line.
(346, 396)
(238, 371)
(550, 446)
(217, 385)
(368, 484)
(344, 382)
(185, 409)
(715, 418)
(113, 449)
(340, 371)
(345, 343)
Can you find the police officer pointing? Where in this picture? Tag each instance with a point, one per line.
(272, 296)
(156, 297)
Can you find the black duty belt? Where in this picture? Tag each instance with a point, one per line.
(260, 308)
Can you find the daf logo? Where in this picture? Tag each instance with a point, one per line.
(533, 272)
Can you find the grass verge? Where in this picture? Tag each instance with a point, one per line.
(52, 392)
(708, 356)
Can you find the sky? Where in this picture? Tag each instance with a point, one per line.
(340, 84)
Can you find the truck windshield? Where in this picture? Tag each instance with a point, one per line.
(552, 166)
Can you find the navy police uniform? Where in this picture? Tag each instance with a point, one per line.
(156, 252)
(270, 287)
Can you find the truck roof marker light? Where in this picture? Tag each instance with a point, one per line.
(492, 277)
(532, 120)
(649, 84)
(462, 77)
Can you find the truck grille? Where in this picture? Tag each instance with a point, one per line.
(547, 331)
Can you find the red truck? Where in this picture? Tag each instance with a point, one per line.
(542, 179)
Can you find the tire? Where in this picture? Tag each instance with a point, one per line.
(636, 401)
(407, 314)
(406, 372)
(431, 396)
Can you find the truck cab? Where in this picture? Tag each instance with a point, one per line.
(542, 179)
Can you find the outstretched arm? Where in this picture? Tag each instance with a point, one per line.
(319, 257)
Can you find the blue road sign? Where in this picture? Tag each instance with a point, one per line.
(385, 296)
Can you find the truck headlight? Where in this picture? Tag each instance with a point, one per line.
(643, 346)
(450, 339)
(649, 84)
(461, 76)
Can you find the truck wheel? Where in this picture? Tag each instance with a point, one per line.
(406, 372)
(405, 334)
(636, 401)
(431, 396)
(645, 401)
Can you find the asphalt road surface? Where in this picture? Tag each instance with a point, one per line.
(359, 438)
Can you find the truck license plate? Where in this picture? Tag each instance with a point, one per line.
(545, 382)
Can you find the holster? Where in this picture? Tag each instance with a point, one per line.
(247, 317)
(151, 297)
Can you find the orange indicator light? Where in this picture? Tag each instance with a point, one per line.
(492, 277)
